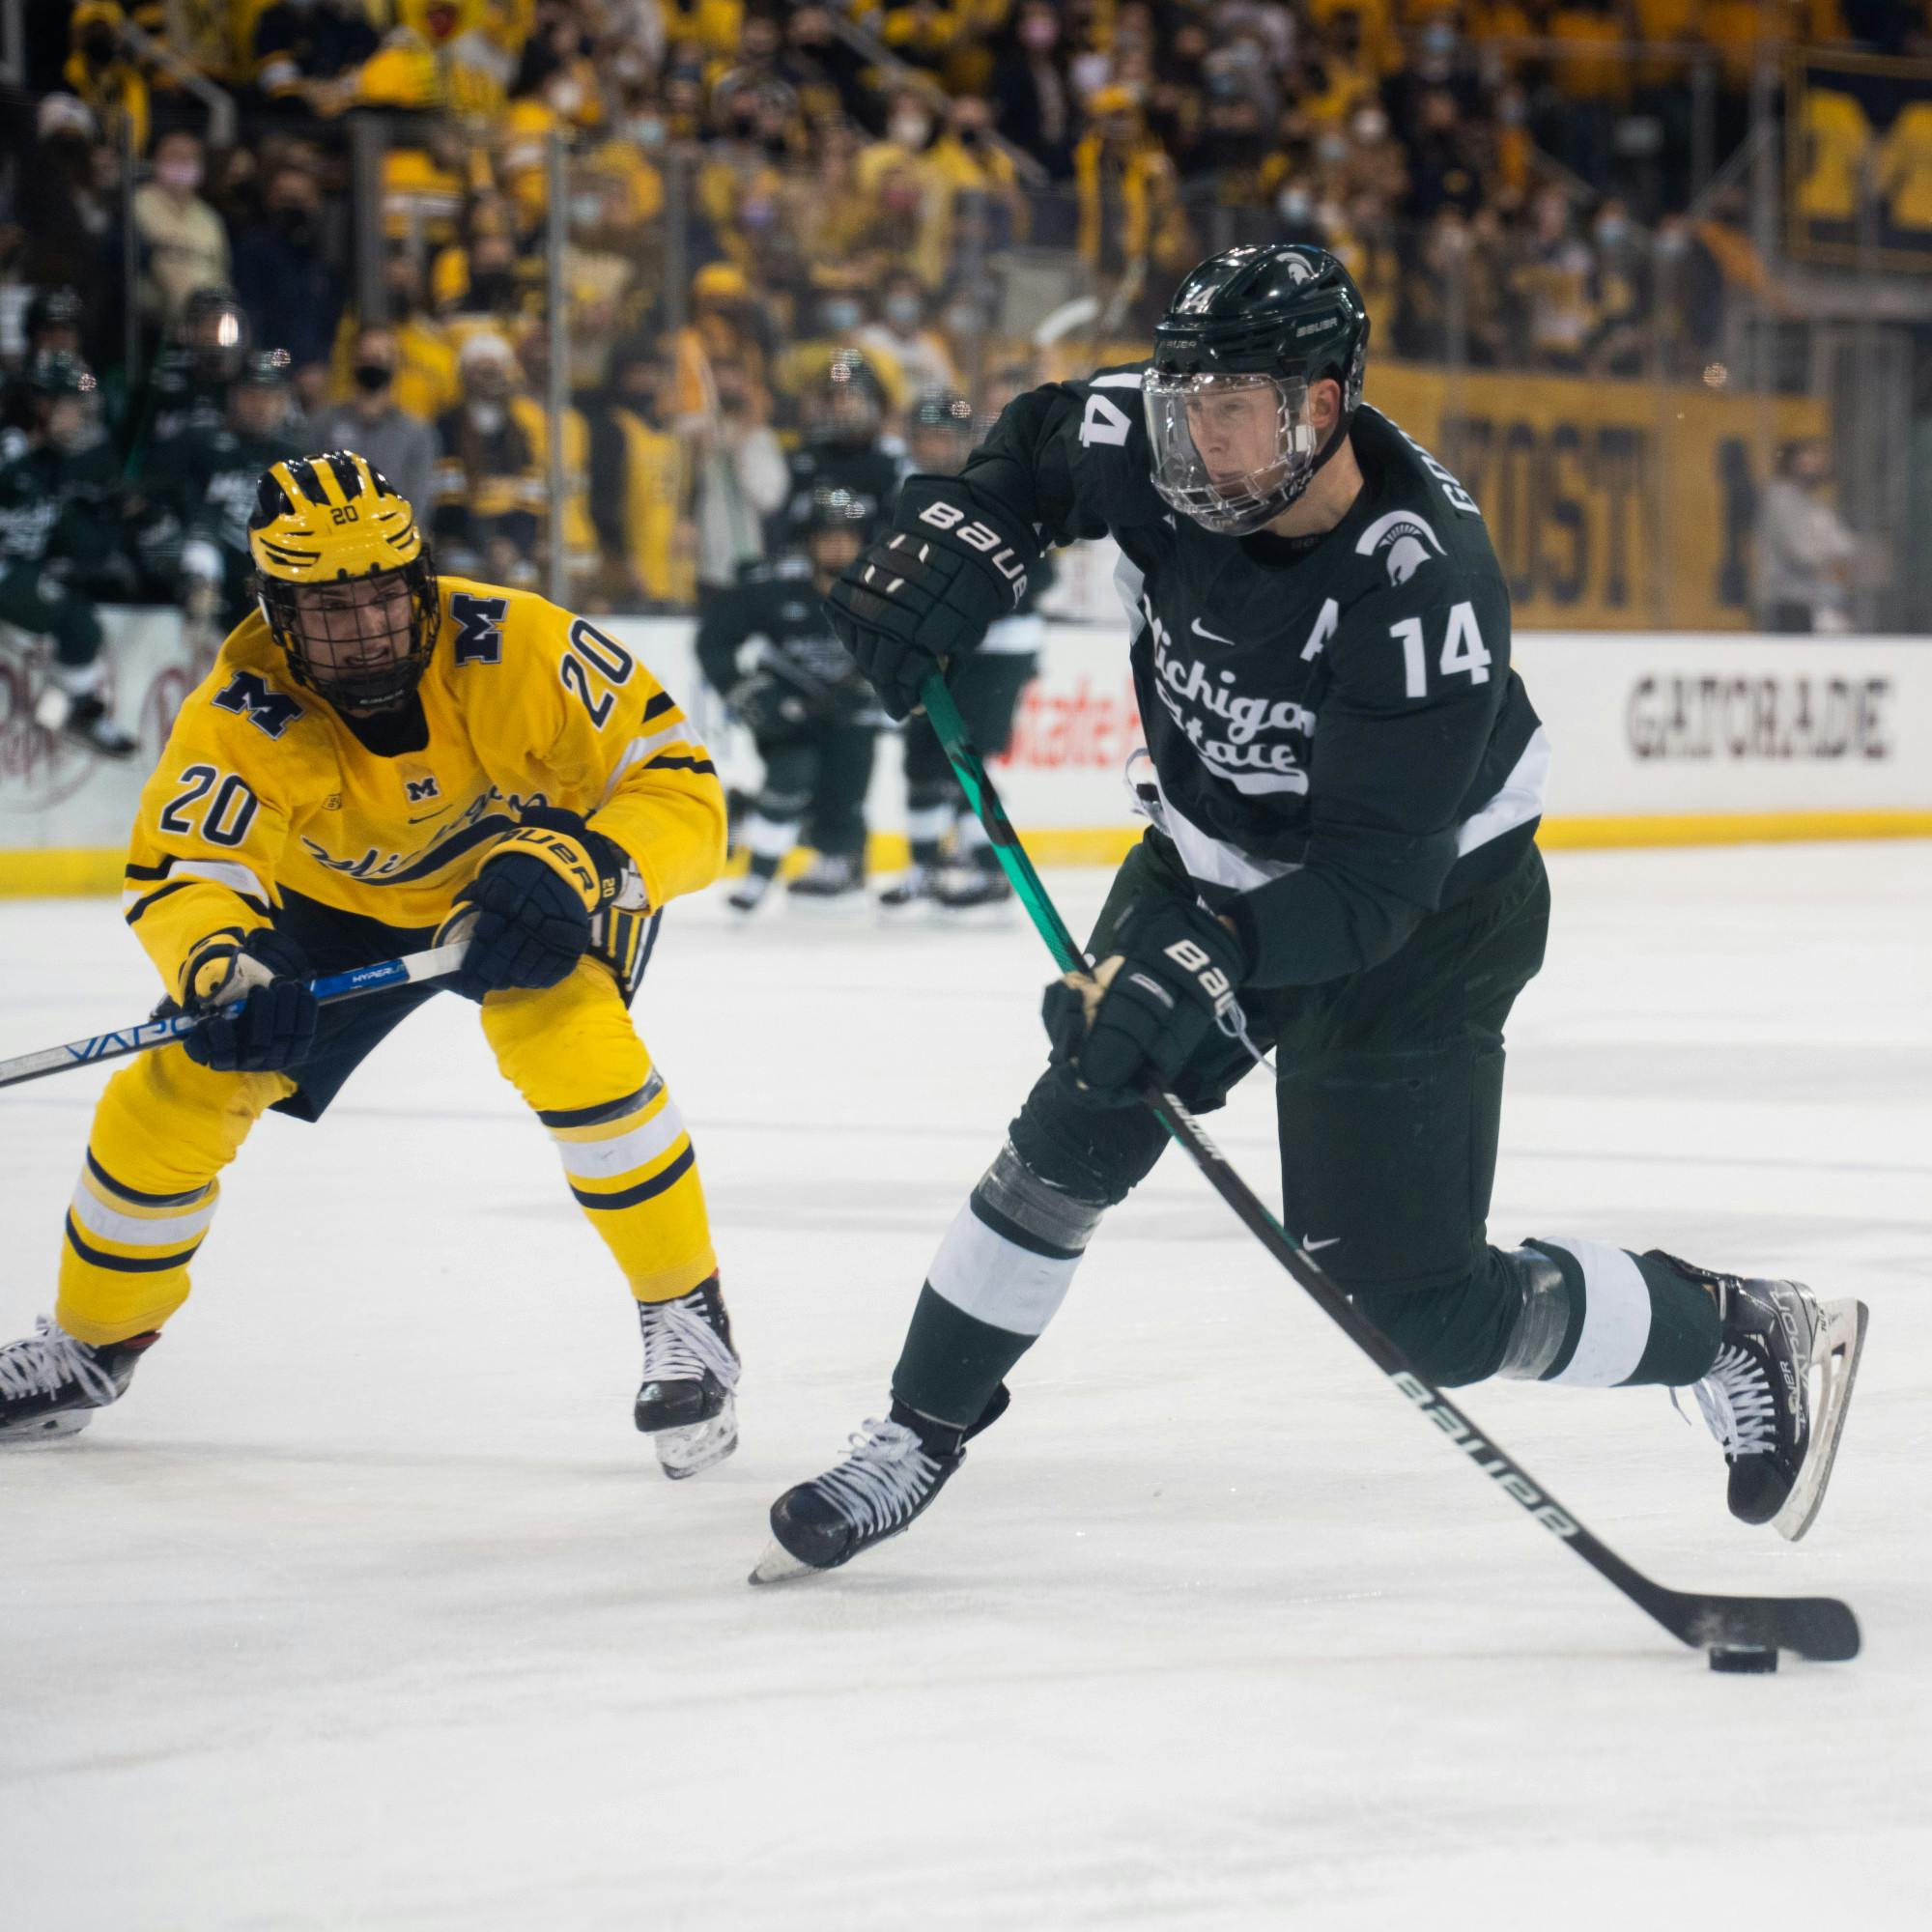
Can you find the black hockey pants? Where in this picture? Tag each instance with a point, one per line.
(1388, 1094)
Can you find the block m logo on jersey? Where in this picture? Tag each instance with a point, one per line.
(420, 790)
(256, 699)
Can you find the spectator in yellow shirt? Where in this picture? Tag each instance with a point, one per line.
(100, 71)
(639, 482)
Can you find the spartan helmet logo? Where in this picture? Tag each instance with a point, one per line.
(1300, 268)
(1405, 556)
(1403, 541)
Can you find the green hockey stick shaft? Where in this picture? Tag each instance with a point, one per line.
(1821, 1628)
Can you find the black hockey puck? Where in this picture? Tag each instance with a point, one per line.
(1748, 1658)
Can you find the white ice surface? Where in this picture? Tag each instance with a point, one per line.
(369, 1610)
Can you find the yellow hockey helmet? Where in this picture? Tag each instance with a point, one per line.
(345, 579)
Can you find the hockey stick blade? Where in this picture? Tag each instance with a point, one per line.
(434, 962)
(1821, 1629)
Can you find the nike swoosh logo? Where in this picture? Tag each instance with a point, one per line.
(1201, 630)
(1309, 1248)
(426, 819)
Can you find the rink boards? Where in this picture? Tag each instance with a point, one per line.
(1677, 739)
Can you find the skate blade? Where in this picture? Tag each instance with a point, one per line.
(991, 917)
(829, 905)
(702, 1445)
(778, 1565)
(1840, 1343)
(45, 1429)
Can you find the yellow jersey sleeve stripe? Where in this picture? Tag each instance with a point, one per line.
(639, 750)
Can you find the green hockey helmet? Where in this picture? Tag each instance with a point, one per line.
(845, 407)
(1244, 339)
(941, 433)
(59, 372)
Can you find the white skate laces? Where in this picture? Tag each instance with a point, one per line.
(883, 1480)
(49, 1358)
(1738, 1403)
(680, 1344)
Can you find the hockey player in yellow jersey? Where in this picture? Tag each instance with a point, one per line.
(379, 756)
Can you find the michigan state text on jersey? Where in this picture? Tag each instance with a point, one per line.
(1343, 777)
(381, 756)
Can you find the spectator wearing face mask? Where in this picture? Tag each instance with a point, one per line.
(738, 479)
(489, 495)
(639, 480)
(480, 286)
(373, 424)
(1131, 213)
(529, 405)
(723, 329)
(1031, 89)
(965, 162)
(182, 244)
(424, 383)
(1621, 344)
(65, 209)
(831, 324)
(101, 72)
(828, 74)
(1554, 279)
(903, 337)
(283, 276)
(909, 129)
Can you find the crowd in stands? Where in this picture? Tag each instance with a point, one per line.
(750, 188)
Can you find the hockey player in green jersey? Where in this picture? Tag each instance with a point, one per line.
(62, 547)
(220, 468)
(988, 688)
(766, 648)
(1345, 777)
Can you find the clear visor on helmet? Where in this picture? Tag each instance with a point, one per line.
(1233, 452)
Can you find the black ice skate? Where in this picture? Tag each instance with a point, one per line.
(83, 718)
(831, 879)
(687, 1403)
(749, 894)
(1779, 1433)
(976, 889)
(892, 1472)
(910, 891)
(50, 1384)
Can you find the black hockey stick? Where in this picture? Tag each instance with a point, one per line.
(144, 1035)
(1820, 1628)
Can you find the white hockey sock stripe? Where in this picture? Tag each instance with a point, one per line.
(929, 822)
(110, 1217)
(770, 837)
(1616, 1315)
(997, 1281)
(632, 1144)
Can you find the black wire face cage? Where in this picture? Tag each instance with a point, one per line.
(332, 646)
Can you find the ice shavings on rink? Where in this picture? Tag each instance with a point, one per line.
(368, 1608)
